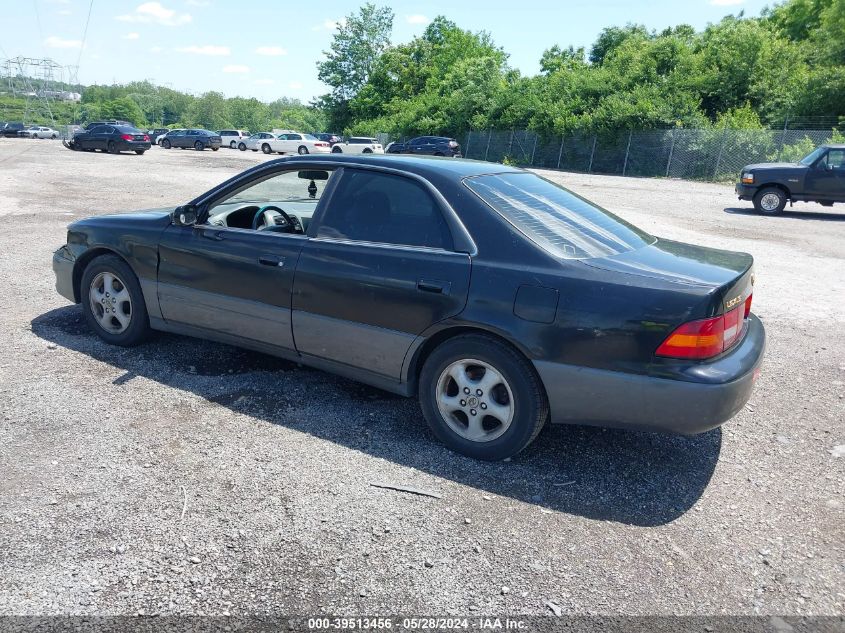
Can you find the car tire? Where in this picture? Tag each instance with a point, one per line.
(266, 149)
(336, 150)
(199, 146)
(242, 147)
(302, 151)
(367, 151)
(232, 145)
(770, 200)
(111, 148)
(129, 323)
(439, 154)
(505, 411)
(53, 137)
(166, 144)
(140, 152)
(214, 149)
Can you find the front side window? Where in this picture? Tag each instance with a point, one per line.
(294, 137)
(836, 158)
(296, 193)
(812, 157)
(383, 208)
(556, 219)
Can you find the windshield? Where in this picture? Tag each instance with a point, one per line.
(811, 158)
(562, 223)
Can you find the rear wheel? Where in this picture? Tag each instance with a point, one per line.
(302, 150)
(242, 147)
(266, 149)
(439, 154)
(214, 149)
(367, 151)
(140, 152)
(112, 148)
(336, 150)
(232, 145)
(481, 397)
(199, 146)
(112, 301)
(770, 200)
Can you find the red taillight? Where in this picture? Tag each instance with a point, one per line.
(707, 337)
(127, 137)
(146, 137)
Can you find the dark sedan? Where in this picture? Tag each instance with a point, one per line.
(499, 298)
(193, 138)
(110, 138)
(427, 145)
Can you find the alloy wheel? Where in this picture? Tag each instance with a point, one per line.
(110, 302)
(475, 400)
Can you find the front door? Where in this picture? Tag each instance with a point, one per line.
(826, 179)
(233, 273)
(377, 271)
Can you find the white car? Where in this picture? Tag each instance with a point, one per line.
(231, 138)
(286, 142)
(358, 145)
(38, 131)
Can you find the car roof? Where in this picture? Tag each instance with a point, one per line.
(420, 165)
(834, 145)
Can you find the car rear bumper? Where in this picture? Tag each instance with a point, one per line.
(63, 267)
(580, 395)
(745, 192)
(132, 146)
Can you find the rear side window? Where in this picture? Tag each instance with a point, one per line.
(387, 209)
(556, 219)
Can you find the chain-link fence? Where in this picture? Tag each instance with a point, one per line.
(694, 154)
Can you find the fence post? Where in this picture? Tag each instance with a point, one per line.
(466, 145)
(783, 136)
(592, 154)
(487, 151)
(627, 150)
(510, 144)
(721, 149)
(560, 153)
(533, 150)
(671, 151)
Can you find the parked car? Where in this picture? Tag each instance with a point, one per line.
(358, 145)
(818, 177)
(160, 137)
(155, 133)
(430, 145)
(255, 142)
(499, 298)
(39, 131)
(191, 138)
(110, 138)
(10, 130)
(231, 138)
(331, 139)
(92, 124)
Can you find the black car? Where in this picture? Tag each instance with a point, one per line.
(427, 145)
(93, 124)
(818, 177)
(331, 139)
(110, 138)
(500, 298)
(12, 130)
(192, 138)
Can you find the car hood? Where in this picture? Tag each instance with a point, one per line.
(679, 263)
(149, 217)
(756, 166)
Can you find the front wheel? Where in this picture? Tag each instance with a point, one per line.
(481, 397)
(770, 200)
(112, 302)
(214, 149)
(336, 150)
(140, 152)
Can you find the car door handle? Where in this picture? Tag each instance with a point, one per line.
(217, 236)
(434, 285)
(272, 260)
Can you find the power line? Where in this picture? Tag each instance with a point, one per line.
(38, 21)
(84, 34)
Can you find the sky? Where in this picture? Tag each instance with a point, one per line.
(269, 48)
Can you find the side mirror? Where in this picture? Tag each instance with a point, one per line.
(185, 216)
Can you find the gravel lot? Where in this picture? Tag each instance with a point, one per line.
(189, 477)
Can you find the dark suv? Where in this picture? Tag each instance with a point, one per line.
(431, 145)
(818, 177)
(11, 129)
(197, 139)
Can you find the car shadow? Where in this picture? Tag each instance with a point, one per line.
(787, 213)
(643, 479)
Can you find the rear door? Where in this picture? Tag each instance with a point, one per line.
(378, 269)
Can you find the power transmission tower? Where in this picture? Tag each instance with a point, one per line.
(36, 79)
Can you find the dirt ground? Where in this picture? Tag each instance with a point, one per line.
(186, 477)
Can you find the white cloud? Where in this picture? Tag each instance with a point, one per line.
(264, 82)
(417, 18)
(272, 51)
(131, 36)
(725, 3)
(155, 12)
(330, 25)
(235, 68)
(214, 51)
(295, 85)
(58, 42)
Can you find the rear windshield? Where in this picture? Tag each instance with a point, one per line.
(556, 219)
